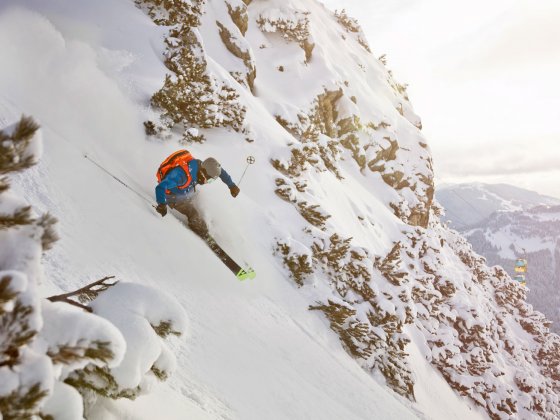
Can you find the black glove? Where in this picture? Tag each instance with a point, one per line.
(162, 209)
(234, 191)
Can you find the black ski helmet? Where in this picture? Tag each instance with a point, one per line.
(212, 167)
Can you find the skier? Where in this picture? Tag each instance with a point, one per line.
(178, 176)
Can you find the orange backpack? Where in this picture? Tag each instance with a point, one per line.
(180, 158)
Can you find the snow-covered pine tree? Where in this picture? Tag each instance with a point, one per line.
(45, 345)
(21, 391)
(145, 316)
(32, 344)
(292, 24)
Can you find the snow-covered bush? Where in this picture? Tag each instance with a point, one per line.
(310, 212)
(173, 12)
(145, 318)
(190, 96)
(369, 325)
(351, 25)
(45, 345)
(297, 259)
(291, 24)
(471, 322)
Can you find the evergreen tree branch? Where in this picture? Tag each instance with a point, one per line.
(85, 294)
(14, 153)
(70, 302)
(20, 217)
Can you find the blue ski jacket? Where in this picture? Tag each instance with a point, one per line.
(177, 176)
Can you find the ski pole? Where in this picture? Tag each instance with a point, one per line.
(117, 179)
(250, 161)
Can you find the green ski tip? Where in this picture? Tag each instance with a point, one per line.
(245, 274)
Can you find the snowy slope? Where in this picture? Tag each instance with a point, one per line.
(86, 72)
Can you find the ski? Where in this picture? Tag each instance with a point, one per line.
(240, 272)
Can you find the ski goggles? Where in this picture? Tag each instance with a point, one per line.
(205, 177)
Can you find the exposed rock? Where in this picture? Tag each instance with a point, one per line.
(240, 17)
(325, 112)
(384, 155)
(233, 47)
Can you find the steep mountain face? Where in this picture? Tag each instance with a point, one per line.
(340, 205)
(523, 224)
(341, 118)
(369, 249)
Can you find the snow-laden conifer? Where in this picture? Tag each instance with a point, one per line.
(46, 344)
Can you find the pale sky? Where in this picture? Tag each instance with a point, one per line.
(484, 76)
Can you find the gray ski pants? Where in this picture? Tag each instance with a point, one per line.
(187, 207)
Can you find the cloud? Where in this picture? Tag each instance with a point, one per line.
(515, 157)
(517, 41)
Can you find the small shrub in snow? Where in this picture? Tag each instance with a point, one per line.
(351, 25)
(284, 190)
(389, 266)
(23, 402)
(291, 24)
(310, 212)
(18, 146)
(352, 332)
(150, 128)
(173, 12)
(19, 217)
(300, 265)
(49, 236)
(313, 214)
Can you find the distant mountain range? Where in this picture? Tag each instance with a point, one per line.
(503, 223)
(470, 204)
